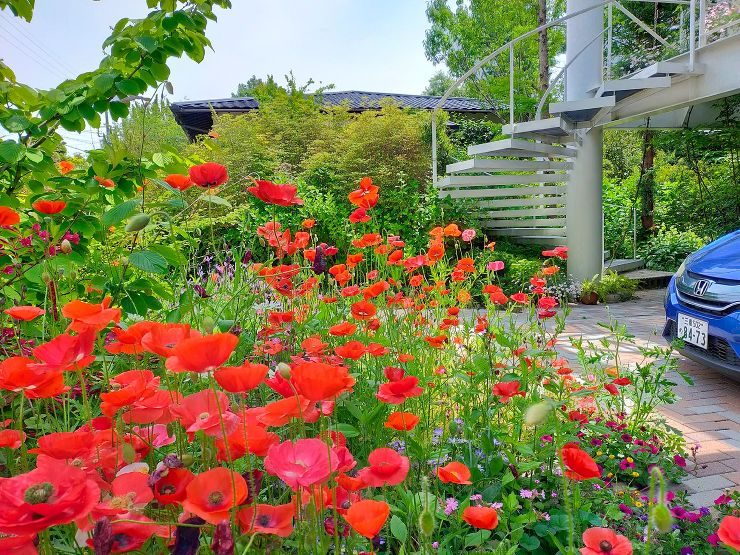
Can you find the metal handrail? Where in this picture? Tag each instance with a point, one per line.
(558, 21)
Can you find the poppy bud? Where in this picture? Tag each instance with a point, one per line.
(102, 537)
(537, 413)
(187, 538)
(247, 257)
(66, 246)
(662, 519)
(46, 277)
(137, 223)
(319, 261)
(187, 459)
(426, 522)
(284, 370)
(209, 324)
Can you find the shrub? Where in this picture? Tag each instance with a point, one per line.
(611, 283)
(668, 248)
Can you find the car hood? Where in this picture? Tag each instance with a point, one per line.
(720, 259)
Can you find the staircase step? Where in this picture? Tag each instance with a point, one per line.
(544, 240)
(500, 179)
(519, 223)
(491, 164)
(621, 265)
(504, 191)
(582, 110)
(519, 147)
(622, 88)
(533, 232)
(557, 128)
(660, 69)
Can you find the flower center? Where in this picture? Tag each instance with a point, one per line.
(203, 415)
(605, 546)
(216, 498)
(167, 489)
(38, 493)
(264, 520)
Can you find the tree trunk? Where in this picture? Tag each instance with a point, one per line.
(544, 55)
(647, 183)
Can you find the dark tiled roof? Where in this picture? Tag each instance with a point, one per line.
(195, 116)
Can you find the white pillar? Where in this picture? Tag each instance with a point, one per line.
(584, 207)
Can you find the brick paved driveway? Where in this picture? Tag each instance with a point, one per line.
(708, 412)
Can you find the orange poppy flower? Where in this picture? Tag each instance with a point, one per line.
(452, 230)
(128, 341)
(350, 483)
(343, 329)
(387, 468)
(275, 193)
(20, 374)
(179, 182)
(240, 379)
(161, 339)
(49, 207)
(367, 517)
(24, 313)
(202, 354)
(352, 349)
(454, 473)
(402, 421)
(317, 381)
(313, 345)
(279, 413)
(484, 518)
(212, 494)
(398, 391)
(8, 216)
(107, 183)
(86, 315)
(65, 166)
(366, 196)
(578, 464)
(376, 289)
(437, 341)
(276, 520)
(363, 310)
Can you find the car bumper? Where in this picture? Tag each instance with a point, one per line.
(723, 352)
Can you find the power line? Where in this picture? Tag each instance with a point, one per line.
(14, 25)
(34, 57)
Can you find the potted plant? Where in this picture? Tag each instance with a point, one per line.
(590, 291)
(613, 288)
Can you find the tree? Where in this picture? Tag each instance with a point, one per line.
(438, 83)
(474, 29)
(253, 85)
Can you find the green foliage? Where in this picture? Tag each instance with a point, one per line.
(611, 283)
(146, 129)
(668, 248)
(438, 83)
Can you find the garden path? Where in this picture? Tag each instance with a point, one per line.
(708, 412)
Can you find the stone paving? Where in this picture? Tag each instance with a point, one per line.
(708, 412)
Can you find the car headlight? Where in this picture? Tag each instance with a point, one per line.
(681, 268)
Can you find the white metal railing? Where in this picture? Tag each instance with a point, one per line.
(697, 21)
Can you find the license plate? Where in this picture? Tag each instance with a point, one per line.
(693, 330)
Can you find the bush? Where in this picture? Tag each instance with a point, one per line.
(668, 248)
(611, 283)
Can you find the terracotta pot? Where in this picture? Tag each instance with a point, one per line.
(590, 298)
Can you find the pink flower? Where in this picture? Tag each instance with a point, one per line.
(468, 235)
(495, 266)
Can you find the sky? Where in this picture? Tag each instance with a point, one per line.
(367, 45)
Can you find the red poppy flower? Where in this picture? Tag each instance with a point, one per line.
(53, 493)
(301, 464)
(275, 193)
(66, 352)
(65, 166)
(352, 349)
(363, 310)
(179, 182)
(506, 390)
(343, 329)
(367, 517)
(454, 473)
(520, 298)
(212, 494)
(437, 341)
(66, 446)
(240, 379)
(402, 421)
(359, 215)
(128, 340)
(279, 413)
(162, 338)
(170, 488)
(202, 354)
(317, 381)
(206, 410)
(729, 531)
(276, 520)
(578, 464)
(24, 313)
(21, 374)
(398, 391)
(49, 207)
(107, 183)
(18, 545)
(127, 388)
(602, 541)
(393, 373)
(484, 518)
(366, 196)
(387, 468)
(8, 217)
(375, 289)
(12, 439)
(208, 175)
(85, 315)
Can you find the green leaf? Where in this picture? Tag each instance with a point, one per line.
(149, 261)
(173, 256)
(17, 123)
(475, 539)
(119, 212)
(10, 151)
(347, 429)
(530, 543)
(215, 200)
(103, 82)
(118, 110)
(130, 86)
(147, 43)
(398, 529)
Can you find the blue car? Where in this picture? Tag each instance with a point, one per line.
(702, 306)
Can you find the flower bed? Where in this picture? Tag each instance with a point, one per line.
(322, 402)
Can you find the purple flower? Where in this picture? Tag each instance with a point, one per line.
(625, 509)
(451, 505)
(526, 494)
(679, 460)
(687, 551)
(713, 539)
